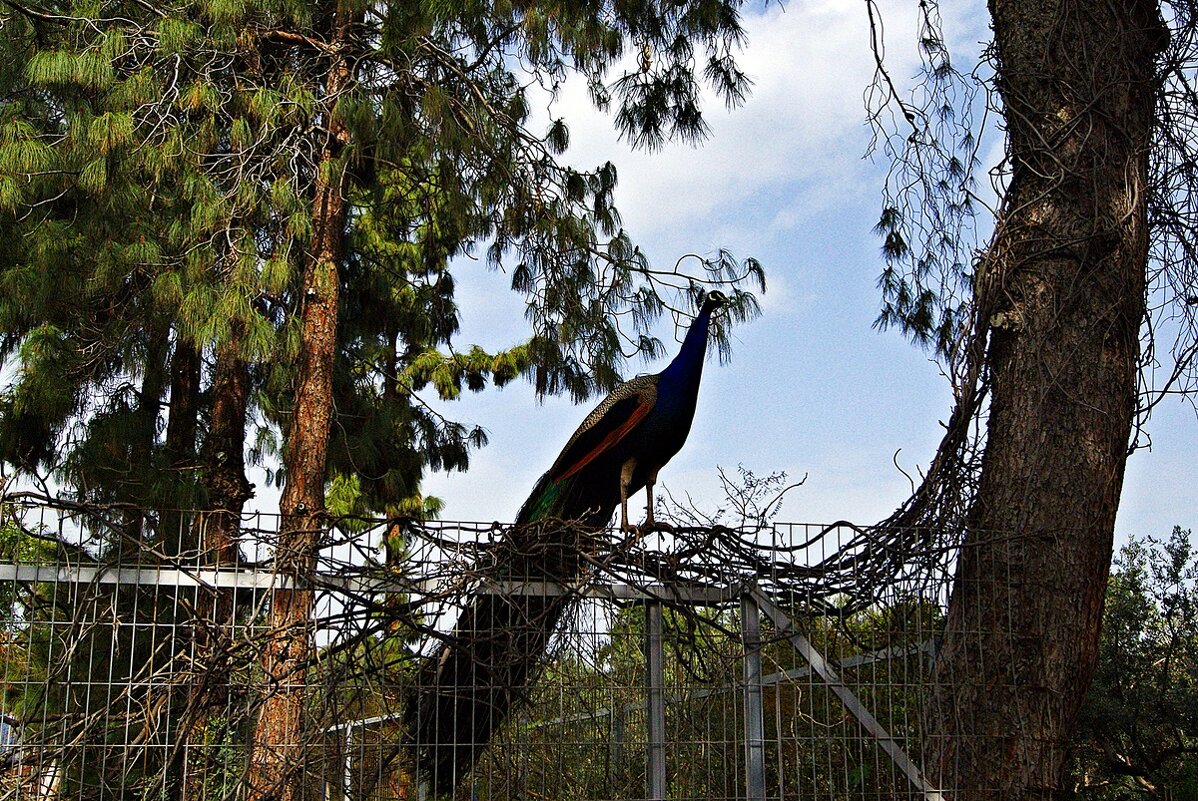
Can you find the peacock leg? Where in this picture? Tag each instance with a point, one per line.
(651, 523)
(625, 483)
(649, 482)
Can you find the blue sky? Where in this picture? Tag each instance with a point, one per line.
(812, 388)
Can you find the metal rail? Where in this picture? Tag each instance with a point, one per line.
(868, 722)
(244, 577)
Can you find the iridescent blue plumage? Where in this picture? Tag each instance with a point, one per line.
(622, 444)
(467, 690)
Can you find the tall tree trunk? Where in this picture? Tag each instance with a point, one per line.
(134, 488)
(1062, 287)
(222, 459)
(180, 444)
(277, 769)
(174, 534)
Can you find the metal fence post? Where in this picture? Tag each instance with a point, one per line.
(617, 749)
(750, 628)
(347, 775)
(656, 702)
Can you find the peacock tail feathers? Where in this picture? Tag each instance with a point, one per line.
(544, 502)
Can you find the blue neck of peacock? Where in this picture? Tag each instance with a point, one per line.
(687, 367)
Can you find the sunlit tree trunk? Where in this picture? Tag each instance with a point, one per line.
(277, 764)
(1062, 288)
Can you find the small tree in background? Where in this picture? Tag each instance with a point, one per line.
(1138, 735)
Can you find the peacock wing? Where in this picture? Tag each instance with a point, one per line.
(557, 492)
(606, 426)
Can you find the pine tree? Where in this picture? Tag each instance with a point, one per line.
(204, 191)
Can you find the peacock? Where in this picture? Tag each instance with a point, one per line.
(465, 691)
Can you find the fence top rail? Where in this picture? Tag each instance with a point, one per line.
(258, 579)
(835, 567)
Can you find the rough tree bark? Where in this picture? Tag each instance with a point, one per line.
(132, 482)
(1062, 289)
(180, 443)
(180, 439)
(223, 459)
(277, 762)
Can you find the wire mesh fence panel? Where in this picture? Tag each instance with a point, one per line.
(142, 659)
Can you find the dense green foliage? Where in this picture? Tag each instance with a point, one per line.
(1139, 727)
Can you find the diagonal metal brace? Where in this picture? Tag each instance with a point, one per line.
(868, 722)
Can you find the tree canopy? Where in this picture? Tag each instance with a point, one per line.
(1139, 727)
(159, 167)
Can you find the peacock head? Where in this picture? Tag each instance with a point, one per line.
(715, 300)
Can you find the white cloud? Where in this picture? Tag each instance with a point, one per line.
(797, 141)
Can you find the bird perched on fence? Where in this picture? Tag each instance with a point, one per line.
(468, 687)
(622, 444)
